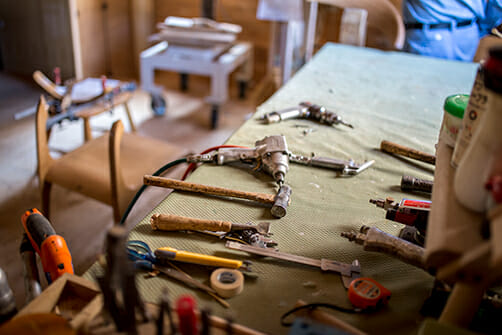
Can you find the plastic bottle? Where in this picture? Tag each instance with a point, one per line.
(454, 107)
(474, 112)
(478, 162)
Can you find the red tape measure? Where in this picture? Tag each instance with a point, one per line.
(367, 293)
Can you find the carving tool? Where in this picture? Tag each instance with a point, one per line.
(412, 184)
(373, 239)
(398, 149)
(171, 222)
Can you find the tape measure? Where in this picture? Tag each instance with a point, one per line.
(367, 293)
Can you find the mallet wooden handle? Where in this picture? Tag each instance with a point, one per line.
(199, 188)
(172, 222)
(399, 149)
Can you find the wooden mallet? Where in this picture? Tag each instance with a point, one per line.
(279, 202)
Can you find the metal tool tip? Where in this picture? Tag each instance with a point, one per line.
(348, 235)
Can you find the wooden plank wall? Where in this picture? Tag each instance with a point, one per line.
(36, 36)
(90, 23)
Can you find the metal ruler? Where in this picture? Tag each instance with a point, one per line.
(348, 271)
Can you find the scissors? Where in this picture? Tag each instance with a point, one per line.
(140, 253)
(143, 257)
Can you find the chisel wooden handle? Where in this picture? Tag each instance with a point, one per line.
(399, 149)
(199, 188)
(172, 222)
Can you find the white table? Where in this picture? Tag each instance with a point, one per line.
(219, 68)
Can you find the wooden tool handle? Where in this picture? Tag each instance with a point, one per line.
(327, 318)
(172, 222)
(199, 188)
(399, 149)
(377, 240)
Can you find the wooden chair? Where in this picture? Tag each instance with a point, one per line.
(385, 27)
(109, 169)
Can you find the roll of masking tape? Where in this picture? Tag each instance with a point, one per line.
(227, 282)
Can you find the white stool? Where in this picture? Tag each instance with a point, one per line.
(191, 60)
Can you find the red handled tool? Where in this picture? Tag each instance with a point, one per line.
(187, 319)
(52, 248)
(367, 293)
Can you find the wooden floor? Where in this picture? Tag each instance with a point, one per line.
(80, 220)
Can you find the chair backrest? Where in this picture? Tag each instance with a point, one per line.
(354, 26)
(385, 27)
(48, 86)
(43, 155)
(118, 187)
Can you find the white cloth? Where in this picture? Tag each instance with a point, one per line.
(280, 10)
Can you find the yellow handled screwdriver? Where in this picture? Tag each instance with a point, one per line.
(171, 254)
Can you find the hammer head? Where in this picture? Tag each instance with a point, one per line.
(281, 201)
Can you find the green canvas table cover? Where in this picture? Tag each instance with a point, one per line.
(386, 96)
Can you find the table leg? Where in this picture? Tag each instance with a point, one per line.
(87, 129)
(215, 115)
(286, 51)
(311, 28)
(219, 94)
(184, 82)
(242, 89)
(245, 73)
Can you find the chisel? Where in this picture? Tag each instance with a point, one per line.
(171, 222)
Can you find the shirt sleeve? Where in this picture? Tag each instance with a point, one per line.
(493, 16)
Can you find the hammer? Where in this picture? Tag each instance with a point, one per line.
(279, 202)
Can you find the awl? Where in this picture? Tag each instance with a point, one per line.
(348, 271)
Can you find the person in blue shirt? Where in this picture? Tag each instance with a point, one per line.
(449, 29)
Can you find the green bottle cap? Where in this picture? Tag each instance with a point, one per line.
(456, 104)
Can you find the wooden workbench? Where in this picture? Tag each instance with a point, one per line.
(385, 95)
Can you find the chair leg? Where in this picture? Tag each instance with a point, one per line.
(46, 199)
(131, 122)
(116, 214)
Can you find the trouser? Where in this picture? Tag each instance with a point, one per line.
(458, 43)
